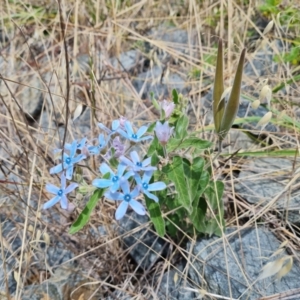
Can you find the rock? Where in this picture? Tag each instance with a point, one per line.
(246, 253)
(262, 179)
(145, 246)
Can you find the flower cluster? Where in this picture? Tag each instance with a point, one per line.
(130, 180)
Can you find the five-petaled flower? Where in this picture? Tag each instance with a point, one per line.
(163, 132)
(60, 193)
(132, 136)
(116, 124)
(146, 188)
(68, 162)
(135, 164)
(101, 145)
(114, 181)
(79, 146)
(127, 198)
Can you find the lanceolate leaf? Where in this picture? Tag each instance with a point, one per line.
(84, 217)
(156, 216)
(232, 106)
(218, 106)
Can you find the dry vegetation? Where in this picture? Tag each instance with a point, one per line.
(33, 59)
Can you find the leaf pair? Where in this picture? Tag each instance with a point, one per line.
(225, 113)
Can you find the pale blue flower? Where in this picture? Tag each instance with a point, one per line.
(114, 180)
(68, 162)
(79, 146)
(132, 136)
(127, 198)
(60, 193)
(115, 125)
(136, 164)
(101, 145)
(145, 187)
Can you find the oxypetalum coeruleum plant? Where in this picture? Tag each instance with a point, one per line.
(170, 180)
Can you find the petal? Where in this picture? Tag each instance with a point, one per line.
(121, 210)
(147, 176)
(68, 146)
(115, 124)
(141, 131)
(115, 186)
(126, 161)
(135, 192)
(121, 169)
(71, 187)
(125, 186)
(78, 158)
(56, 169)
(102, 183)
(157, 186)
(101, 140)
(64, 203)
(146, 162)
(135, 157)
(52, 188)
(103, 127)
(63, 181)
(93, 150)
(137, 207)
(114, 196)
(123, 133)
(51, 202)
(138, 179)
(69, 172)
(129, 129)
(104, 168)
(82, 143)
(73, 148)
(150, 196)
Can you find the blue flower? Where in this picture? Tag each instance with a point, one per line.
(136, 164)
(132, 136)
(60, 193)
(114, 181)
(145, 187)
(127, 198)
(79, 146)
(101, 144)
(68, 162)
(114, 127)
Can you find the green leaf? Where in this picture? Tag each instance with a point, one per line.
(198, 215)
(192, 173)
(213, 194)
(84, 216)
(232, 106)
(194, 142)
(156, 216)
(175, 173)
(155, 146)
(218, 105)
(181, 127)
(175, 96)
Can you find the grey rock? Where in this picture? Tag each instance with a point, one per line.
(262, 179)
(145, 246)
(172, 287)
(126, 61)
(246, 253)
(150, 82)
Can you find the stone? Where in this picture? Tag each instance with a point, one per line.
(241, 259)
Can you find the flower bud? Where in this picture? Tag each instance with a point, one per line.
(168, 107)
(163, 132)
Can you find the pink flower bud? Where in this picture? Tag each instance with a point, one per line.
(168, 107)
(163, 132)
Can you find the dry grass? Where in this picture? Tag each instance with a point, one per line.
(34, 63)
